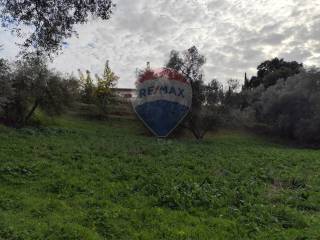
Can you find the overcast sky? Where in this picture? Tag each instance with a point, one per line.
(234, 35)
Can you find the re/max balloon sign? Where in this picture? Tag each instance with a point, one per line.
(163, 99)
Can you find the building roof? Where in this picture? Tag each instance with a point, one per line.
(124, 89)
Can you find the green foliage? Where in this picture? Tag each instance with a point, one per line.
(6, 88)
(270, 71)
(105, 95)
(88, 88)
(211, 105)
(101, 92)
(290, 108)
(94, 180)
(50, 22)
(189, 63)
(31, 86)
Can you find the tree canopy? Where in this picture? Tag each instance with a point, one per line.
(28, 85)
(272, 70)
(203, 114)
(50, 21)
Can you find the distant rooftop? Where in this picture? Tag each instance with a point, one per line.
(124, 89)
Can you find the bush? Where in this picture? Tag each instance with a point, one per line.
(292, 107)
(101, 92)
(31, 86)
(6, 89)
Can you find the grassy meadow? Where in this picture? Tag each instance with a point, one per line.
(81, 179)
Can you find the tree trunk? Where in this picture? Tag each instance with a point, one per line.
(34, 107)
(195, 131)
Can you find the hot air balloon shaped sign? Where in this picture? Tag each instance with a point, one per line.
(163, 100)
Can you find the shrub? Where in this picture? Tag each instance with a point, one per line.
(292, 107)
(35, 87)
(6, 89)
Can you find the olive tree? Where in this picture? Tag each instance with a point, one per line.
(50, 22)
(6, 88)
(206, 98)
(291, 108)
(35, 86)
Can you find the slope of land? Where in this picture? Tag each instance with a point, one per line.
(81, 179)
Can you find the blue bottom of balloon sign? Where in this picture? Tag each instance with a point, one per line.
(161, 116)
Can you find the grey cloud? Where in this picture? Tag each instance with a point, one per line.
(273, 27)
(274, 38)
(296, 53)
(234, 35)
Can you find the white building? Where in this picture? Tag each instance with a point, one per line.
(126, 93)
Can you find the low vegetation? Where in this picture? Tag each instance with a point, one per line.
(290, 108)
(79, 179)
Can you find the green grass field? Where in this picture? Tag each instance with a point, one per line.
(78, 179)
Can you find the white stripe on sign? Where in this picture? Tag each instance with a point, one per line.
(163, 89)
